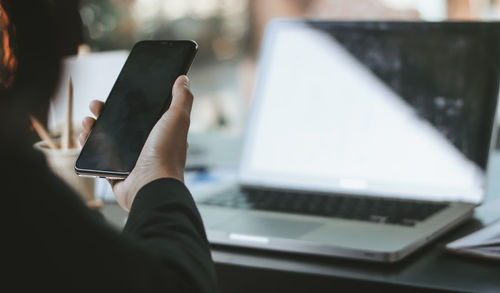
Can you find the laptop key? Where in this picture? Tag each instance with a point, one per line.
(371, 209)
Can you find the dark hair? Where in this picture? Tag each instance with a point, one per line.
(40, 32)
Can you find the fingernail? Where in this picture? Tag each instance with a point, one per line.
(186, 82)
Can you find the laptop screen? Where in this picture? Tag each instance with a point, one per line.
(374, 108)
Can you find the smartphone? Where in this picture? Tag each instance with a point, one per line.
(140, 95)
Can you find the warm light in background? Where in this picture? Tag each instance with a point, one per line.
(9, 61)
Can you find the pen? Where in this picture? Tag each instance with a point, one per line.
(42, 133)
(67, 135)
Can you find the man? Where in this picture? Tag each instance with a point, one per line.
(51, 242)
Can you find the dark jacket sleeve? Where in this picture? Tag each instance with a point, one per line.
(56, 244)
(164, 218)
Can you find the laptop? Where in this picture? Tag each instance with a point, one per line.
(365, 140)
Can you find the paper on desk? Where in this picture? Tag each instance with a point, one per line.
(488, 236)
(484, 242)
(480, 252)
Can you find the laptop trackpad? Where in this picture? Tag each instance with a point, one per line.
(267, 226)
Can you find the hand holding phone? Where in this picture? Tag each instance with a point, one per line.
(163, 154)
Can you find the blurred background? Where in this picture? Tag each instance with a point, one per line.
(229, 32)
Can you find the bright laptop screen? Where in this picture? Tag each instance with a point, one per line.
(370, 108)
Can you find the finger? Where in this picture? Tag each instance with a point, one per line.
(96, 107)
(182, 98)
(117, 186)
(82, 137)
(113, 182)
(88, 123)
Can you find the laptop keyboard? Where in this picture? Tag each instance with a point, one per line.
(371, 209)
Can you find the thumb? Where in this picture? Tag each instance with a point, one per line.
(182, 98)
(175, 121)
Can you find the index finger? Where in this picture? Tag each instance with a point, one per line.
(182, 98)
(96, 107)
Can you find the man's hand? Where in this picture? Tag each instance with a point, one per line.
(163, 154)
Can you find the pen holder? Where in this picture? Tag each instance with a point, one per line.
(62, 163)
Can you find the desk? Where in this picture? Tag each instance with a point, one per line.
(430, 269)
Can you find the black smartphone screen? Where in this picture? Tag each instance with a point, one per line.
(142, 92)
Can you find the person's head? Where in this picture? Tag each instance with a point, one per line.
(34, 36)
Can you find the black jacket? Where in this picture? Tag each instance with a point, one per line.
(54, 243)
